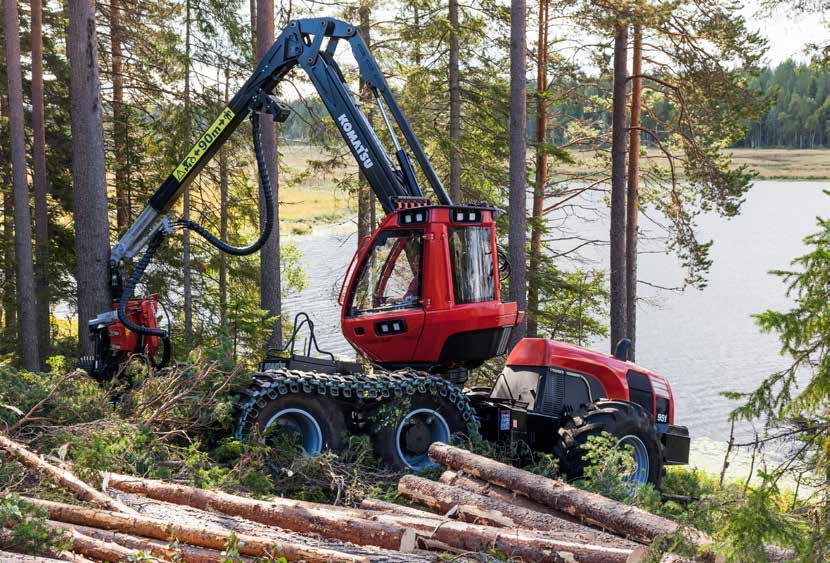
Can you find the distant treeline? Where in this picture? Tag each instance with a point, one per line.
(798, 116)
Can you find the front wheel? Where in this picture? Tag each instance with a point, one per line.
(631, 426)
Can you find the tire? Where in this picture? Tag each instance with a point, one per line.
(406, 428)
(622, 419)
(317, 420)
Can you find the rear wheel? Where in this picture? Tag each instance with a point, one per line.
(407, 428)
(314, 423)
(629, 423)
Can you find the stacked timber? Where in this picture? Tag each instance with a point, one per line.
(478, 506)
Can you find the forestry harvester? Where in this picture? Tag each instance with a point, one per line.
(421, 301)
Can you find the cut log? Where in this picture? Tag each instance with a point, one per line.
(202, 536)
(100, 550)
(620, 518)
(492, 511)
(64, 478)
(527, 545)
(617, 517)
(378, 505)
(180, 552)
(477, 486)
(304, 517)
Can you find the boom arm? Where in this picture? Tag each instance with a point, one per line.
(302, 42)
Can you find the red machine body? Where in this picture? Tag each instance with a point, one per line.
(613, 375)
(425, 290)
(142, 312)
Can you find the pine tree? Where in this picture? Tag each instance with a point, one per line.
(88, 170)
(40, 183)
(619, 126)
(518, 152)
(26, 301)
(270, 286)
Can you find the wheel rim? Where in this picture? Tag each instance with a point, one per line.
(415, 433)
(639, 475)
(301, 422)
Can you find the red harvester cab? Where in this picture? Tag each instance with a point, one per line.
(425, 292)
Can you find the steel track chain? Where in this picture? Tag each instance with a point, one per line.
(272, 384)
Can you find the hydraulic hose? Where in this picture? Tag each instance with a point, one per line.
(268, 196)
(127, 294)
(155, 242)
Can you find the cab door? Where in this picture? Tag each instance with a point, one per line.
(384, 314)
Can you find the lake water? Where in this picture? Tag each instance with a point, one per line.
(705, 341)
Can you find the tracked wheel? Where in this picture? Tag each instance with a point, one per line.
(403, 411)
(628, 422)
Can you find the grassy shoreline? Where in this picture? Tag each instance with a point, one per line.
(320, 200)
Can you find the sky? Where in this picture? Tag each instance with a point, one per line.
(788, 34)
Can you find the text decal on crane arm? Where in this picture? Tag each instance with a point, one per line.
(204, 143)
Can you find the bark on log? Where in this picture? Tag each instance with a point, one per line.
(100, 550)
(181, 552)
(66, 479)
(527, 545)
(377, 505)
(304, 517)
(479, 487)
(490, 511)
(202, 536)
(617, 517)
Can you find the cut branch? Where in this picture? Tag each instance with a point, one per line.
(64, 478)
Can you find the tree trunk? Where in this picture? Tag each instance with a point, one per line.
(614, 516)
(633, 199)
(223, 226)
(518, 174)
(119, 121)
(88, 172)
(537, 220)
(26, 304)
(617, 234)
(187, 274)
(201, 536)
(303, 517)
(40, 182)
(269, 257)
(365, 196)
(491, 511)
(64, 478)
(9, 286)
(455, 105)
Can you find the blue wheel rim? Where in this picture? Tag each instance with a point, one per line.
(439, 431)
(304, 424)
(640, 473)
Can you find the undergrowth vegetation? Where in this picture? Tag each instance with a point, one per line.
(178, 425)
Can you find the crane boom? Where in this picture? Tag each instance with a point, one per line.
(311, 44)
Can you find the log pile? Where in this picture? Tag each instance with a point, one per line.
(478, 506)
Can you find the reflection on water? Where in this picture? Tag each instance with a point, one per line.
(705, 341)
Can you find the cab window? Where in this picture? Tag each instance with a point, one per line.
(391, 275)
(471, 254)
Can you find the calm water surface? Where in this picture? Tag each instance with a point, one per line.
(705, 341)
